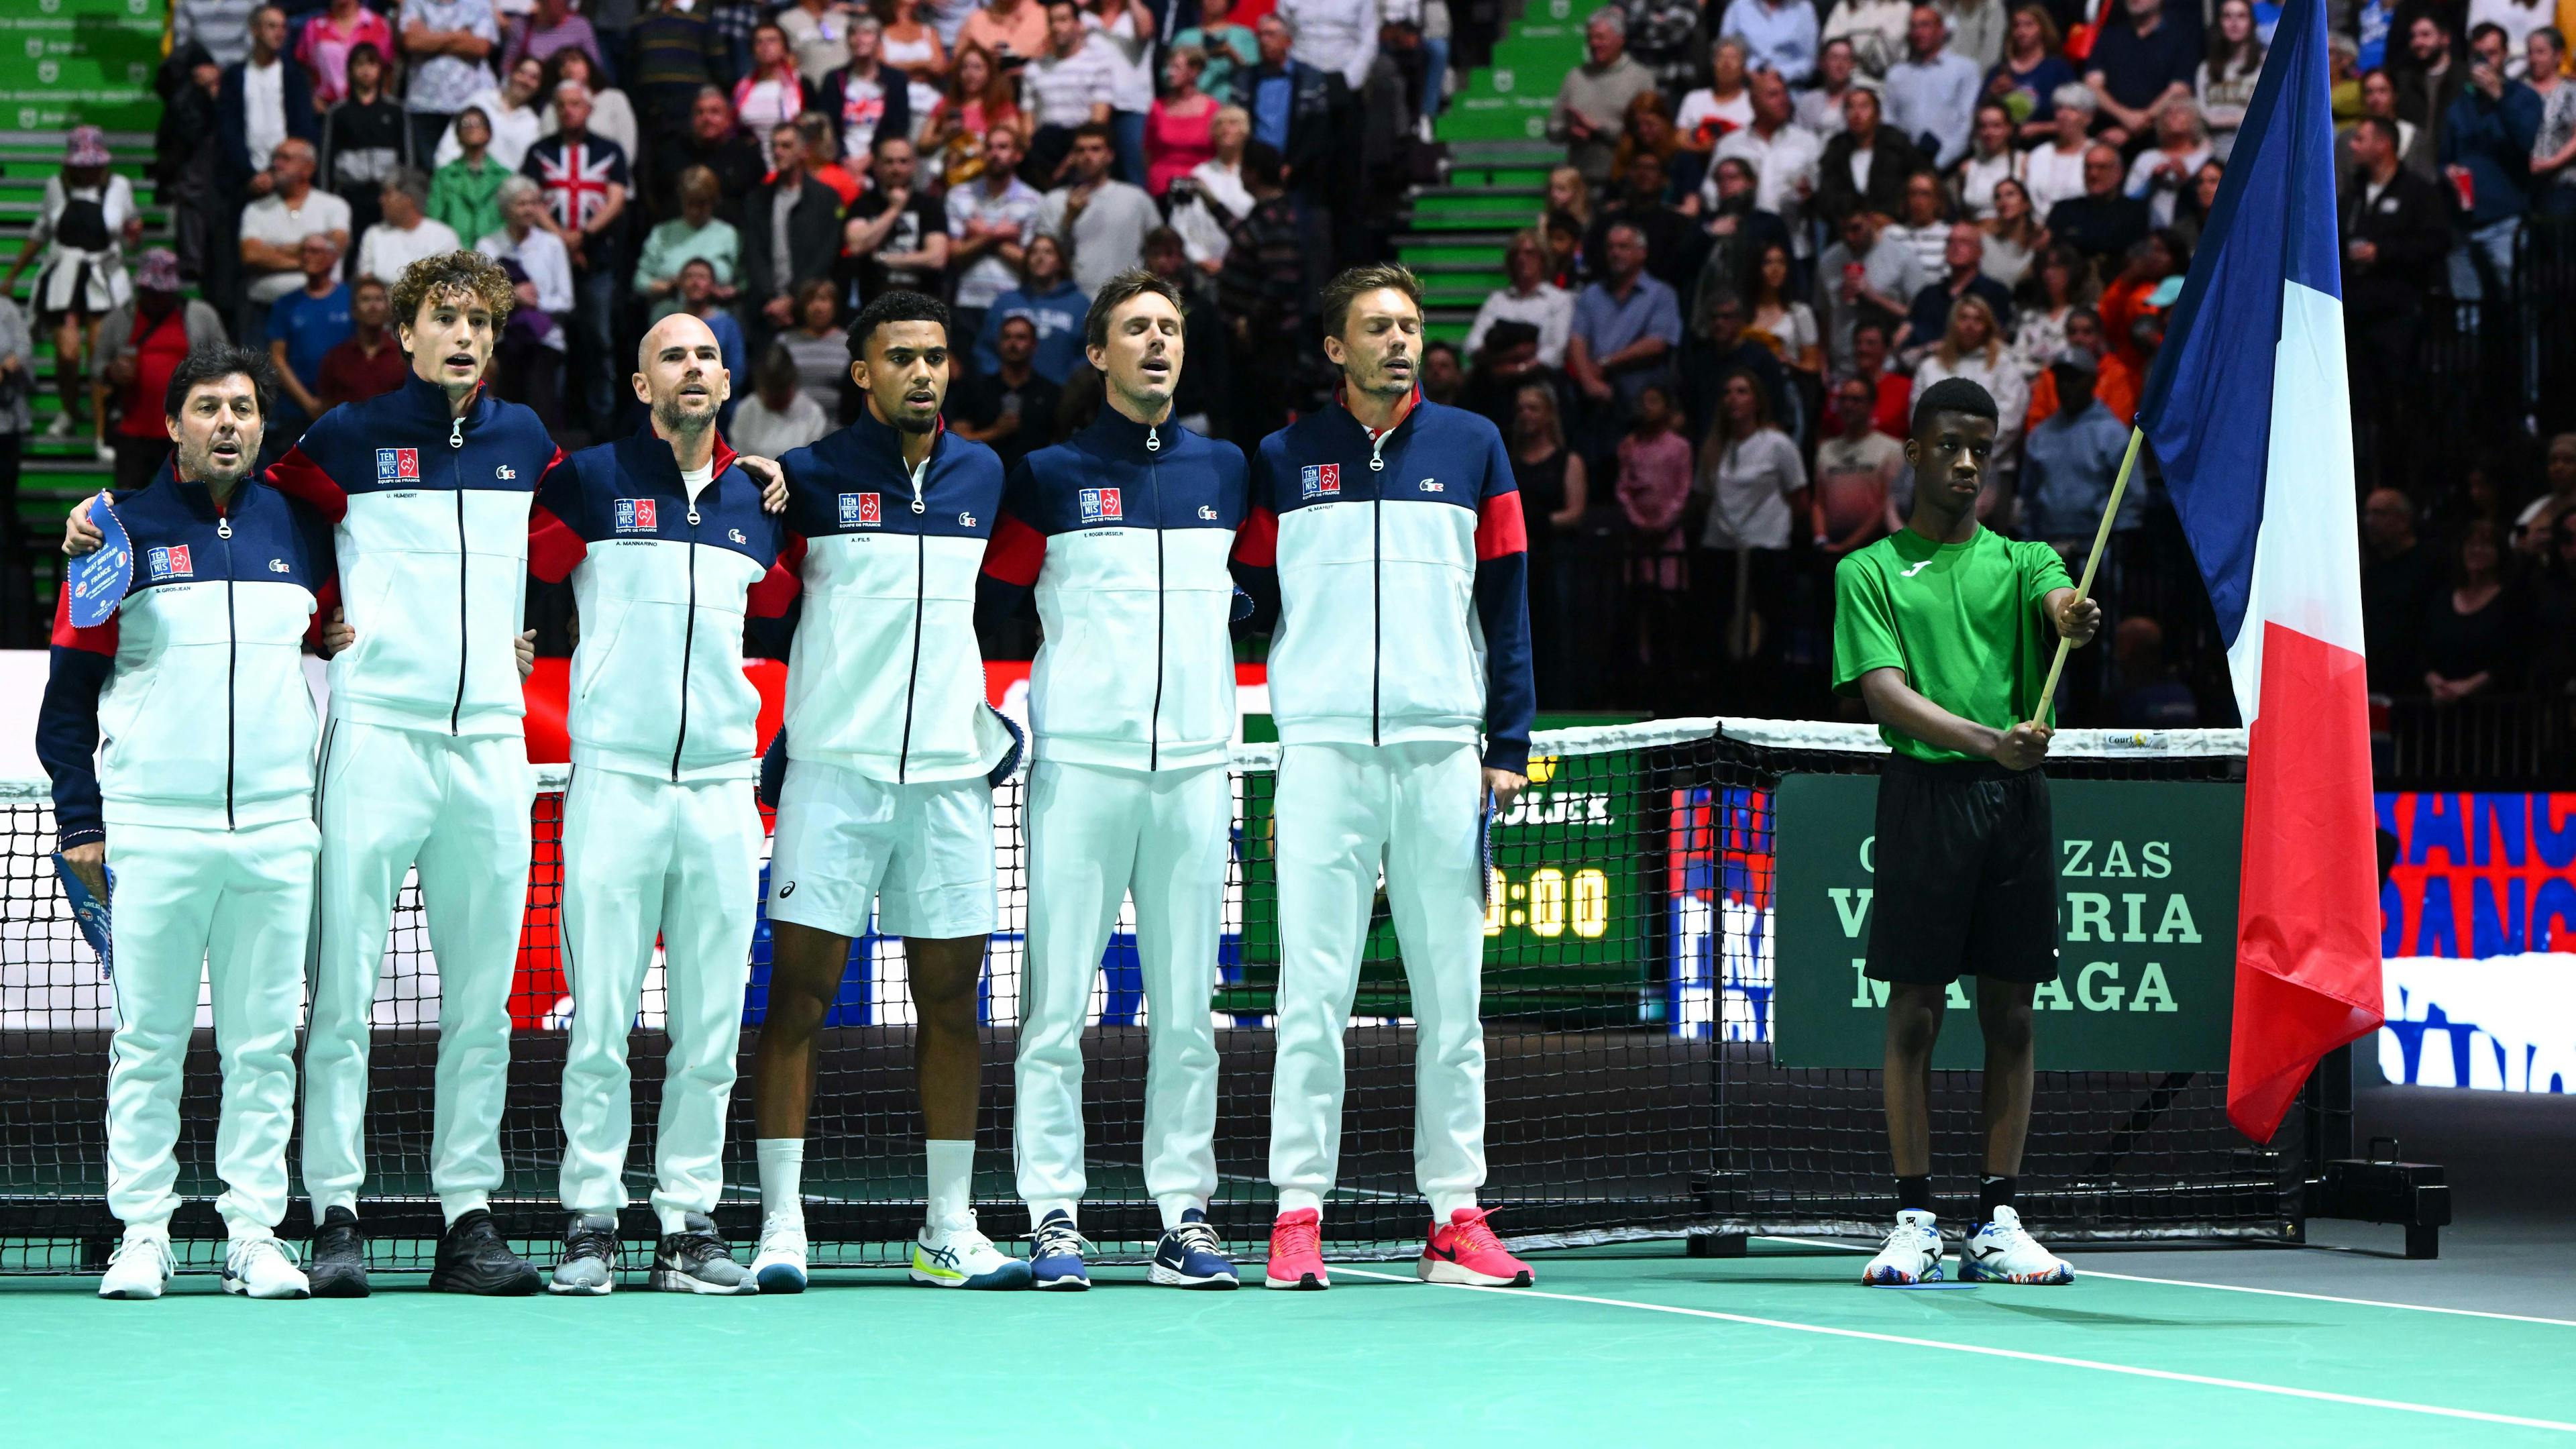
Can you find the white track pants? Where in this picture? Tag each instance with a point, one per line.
(189, 903)
(1095, 835)
(645, 857)
(458, 809)
(1342, 810)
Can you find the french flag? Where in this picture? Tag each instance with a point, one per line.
(2249, 414)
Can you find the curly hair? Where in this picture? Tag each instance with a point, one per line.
(467, 274)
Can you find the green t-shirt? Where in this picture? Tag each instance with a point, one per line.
(1963, 620)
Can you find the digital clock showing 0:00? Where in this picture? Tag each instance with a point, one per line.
(1550, 903)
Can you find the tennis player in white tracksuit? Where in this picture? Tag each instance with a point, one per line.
(424, 764)
(1123, 532)
(885, 809)
(202, 799)
(1389, 531)
(668, 551)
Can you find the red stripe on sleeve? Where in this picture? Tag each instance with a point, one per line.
(98, 639)
(778, 587)
(553, 546)
(1499, 529)
(299, 477)
(1015, 553)
(1257, 542)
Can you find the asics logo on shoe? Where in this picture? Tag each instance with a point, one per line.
(944, 1257)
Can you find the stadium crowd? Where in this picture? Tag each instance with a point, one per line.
(1776, 223)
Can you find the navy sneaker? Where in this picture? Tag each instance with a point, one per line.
(1055, 1261)
(1189, 1256)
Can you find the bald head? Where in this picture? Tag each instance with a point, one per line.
(680, 374)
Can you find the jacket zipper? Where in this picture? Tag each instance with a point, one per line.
(920, 600)
(456, 476)
(1377, 579)
(232, 669)
(1154, 721)
(688, 640)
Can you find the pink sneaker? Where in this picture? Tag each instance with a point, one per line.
(1465, 1250)
(1296, 1251)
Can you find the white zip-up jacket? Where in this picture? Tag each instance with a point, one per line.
(431, 517)
(1396, 567)
(664, 580)
(1123, 533)
(885, 677)
(188, 706)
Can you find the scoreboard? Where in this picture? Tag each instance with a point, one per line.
(1565, 917)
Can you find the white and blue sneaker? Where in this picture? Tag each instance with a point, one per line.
(2000, 1252)
(263, 1267)
(1911, 1254)
(778, 1265)
(1055, 1254)
(1189, 1256)
(955, 1254)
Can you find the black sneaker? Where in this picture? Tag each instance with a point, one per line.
(337, 1265)
(473, 1259)
(589, 1264)
(695, 1260)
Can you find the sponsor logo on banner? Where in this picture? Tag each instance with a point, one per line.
(398, 465)
(635, 515)
(1321, 480)
(1101, 505)
(169, 563)
(861, 510)
(2477, 938)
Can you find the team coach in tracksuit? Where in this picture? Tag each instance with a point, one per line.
(663, 536)
(1388, 531)
(1123, 533)
(201, 800)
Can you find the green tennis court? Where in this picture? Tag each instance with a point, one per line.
(1639, 1346)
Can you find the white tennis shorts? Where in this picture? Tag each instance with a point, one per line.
(921, 853)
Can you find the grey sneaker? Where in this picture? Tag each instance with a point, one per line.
(589, 1265)
(695, 1260)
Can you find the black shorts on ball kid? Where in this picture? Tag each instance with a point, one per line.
(1966, 874)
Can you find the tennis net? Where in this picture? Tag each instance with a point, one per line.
(1638, 974)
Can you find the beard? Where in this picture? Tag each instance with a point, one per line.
(667, 415)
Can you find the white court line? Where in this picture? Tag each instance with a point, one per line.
(1984, 1351)
(2242, 1288)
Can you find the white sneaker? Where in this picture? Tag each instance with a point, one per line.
(2000, 1252)
(60, 429)
(1911, 1254)
(263, 1268)
(140, 1267)
(779, 1264)
(955, 1254)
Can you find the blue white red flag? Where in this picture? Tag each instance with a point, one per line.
(2249, 413)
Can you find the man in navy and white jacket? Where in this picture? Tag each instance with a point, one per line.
(1386, 547)
(663, 536)
(1123, 533)
(179, 735)
(886, 808)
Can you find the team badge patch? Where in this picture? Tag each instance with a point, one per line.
(861, 510)
(1321, 480)
(635, 515)
(1101, 505)
(169, 563)
(398, 465)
